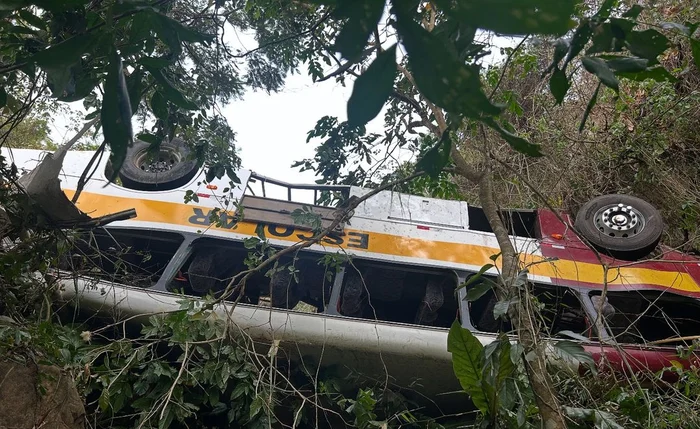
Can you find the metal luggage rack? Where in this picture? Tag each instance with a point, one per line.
(277, 210)
(318, 200)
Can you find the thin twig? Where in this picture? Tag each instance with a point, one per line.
(21, 64)
(505, 66)
(179, 375)
(341, 216)
(288, 37)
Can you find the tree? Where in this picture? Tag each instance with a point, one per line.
(165, 61)
(31, 133)
(439, 88)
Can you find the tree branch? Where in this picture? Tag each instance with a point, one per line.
(505, 66)
(344, 67)
(21, 64)
(341, 216)
(288, 37)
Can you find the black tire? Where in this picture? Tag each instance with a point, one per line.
(171, 170)
(641, 230)
(283, 290)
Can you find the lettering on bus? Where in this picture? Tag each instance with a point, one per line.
(357, 240)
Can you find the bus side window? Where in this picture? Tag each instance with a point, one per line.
(301, 283)
(561, 310)
(396, 293)
(134, 257)
(638, 317)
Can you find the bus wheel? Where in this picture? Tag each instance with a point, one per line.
(620, 225)
(170, 168)
(283, 289)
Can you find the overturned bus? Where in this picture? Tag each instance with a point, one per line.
(378, 294)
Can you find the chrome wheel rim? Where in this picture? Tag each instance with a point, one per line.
(619, 221)
(164, 161)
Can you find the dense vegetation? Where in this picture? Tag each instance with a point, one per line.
(597, 97)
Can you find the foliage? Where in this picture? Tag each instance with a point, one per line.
(31, 133)
(165, 62)
(161, 59)
(181, 370)
(641, 141)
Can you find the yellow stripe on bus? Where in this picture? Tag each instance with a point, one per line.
(470, 254)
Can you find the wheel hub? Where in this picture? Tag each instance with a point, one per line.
(165, 160)
(620, 221)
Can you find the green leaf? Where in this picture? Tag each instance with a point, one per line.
(437, 157)
(658, 73)
(372, 89)
(692, 26)
(18, 29)
(479, 290)
(66, 53)
(103, 401)
(148, 138)
(135, 85)
(501, 307)
(647, 44)
(164, 423)
(559, 85)
(12, 4)
(467, 364)
(521, 279)
(58, 79)
(581, 36)
(440, 76)
(81, 86)
(363, 16)
(157, 62)
(3, 97)
(599, 68)
(695, 46)
(32, 19)
(589, 108)
(675, 26)
(255, 407)
(56, 6)
(603, 40)
(572, 334)
(169, 91)
(505, 364)
(572, 352)
(633, 12)
(601, 419)
(621, 28)
(516, 353)
(605, 9)
(518, 143)
(171, 32)
(514, 17)
(115, 115)
(477, 276)
(159, 106)
(561, 47)
(627, 64)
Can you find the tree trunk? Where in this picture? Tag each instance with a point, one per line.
(522, 319)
